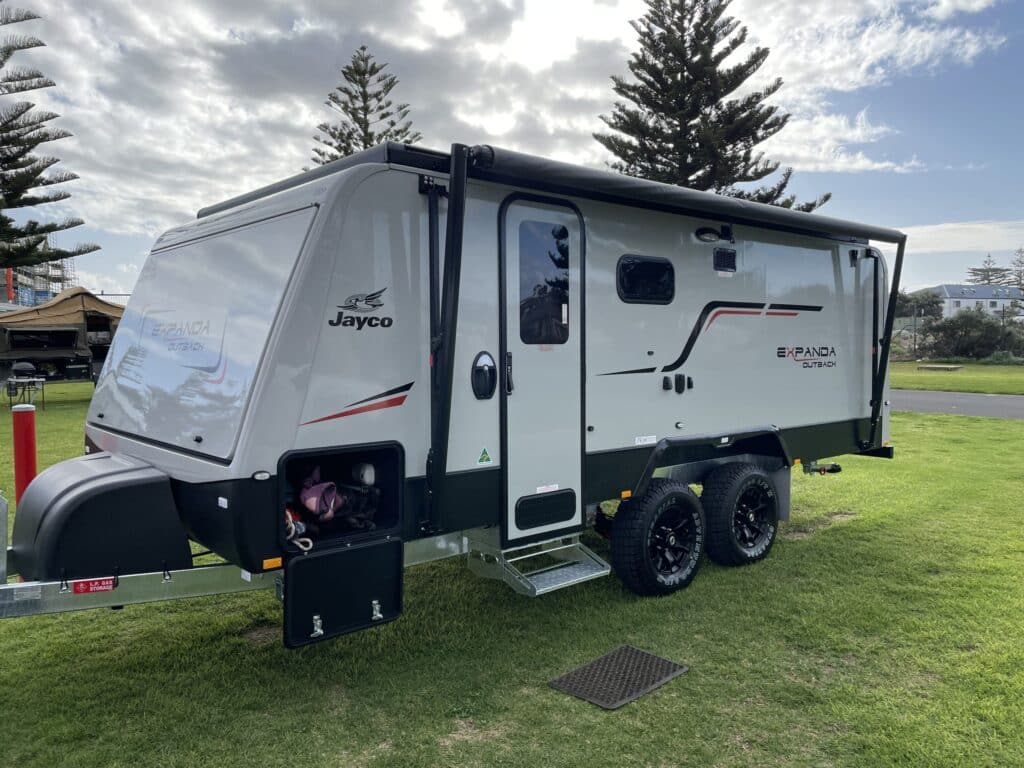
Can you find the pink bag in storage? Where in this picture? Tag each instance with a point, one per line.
(322, 499)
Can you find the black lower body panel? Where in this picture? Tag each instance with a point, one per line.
(608, 473)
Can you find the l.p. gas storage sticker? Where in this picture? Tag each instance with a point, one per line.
(89, 586)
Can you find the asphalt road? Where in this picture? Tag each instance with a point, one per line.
(961, 403)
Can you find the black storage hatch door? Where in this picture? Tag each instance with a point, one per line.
(341, 590)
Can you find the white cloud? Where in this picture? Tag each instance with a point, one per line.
(821, 142)
(174, 106)
(944, 9)
(975, 236)
(121, 282)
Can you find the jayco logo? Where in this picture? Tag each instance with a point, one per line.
(361, 304)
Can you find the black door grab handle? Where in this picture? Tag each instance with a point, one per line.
(508, 373)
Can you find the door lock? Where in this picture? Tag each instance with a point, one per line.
(375, 612)
(318, 627)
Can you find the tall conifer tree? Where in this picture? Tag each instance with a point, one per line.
(989, 273)
(26, 179)
(679, 121)
(1017, 269)
(368, 116)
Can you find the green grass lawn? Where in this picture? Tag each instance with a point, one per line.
(885, 628)
(988, 379)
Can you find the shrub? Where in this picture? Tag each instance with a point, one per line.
(972, 334)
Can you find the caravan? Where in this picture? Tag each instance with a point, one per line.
(407, 355)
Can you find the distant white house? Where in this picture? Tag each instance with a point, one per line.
(993, 299)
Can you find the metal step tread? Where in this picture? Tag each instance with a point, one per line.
(575, 563)
(566, 575)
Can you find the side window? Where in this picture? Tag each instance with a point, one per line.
(543, 283)
(645, 280)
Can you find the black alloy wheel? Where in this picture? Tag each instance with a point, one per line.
(657, 540)
(742, 508)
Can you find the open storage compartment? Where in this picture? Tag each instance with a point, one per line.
(341, 496)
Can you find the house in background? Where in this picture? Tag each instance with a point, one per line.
(999, 300)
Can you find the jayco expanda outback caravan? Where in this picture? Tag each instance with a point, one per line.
(408, 355)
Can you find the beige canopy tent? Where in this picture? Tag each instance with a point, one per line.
(73, 327)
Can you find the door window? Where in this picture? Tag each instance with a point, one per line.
(543, 282)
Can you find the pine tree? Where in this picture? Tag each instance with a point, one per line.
(26, 180)
(676, 122)
(369, 117)
(1017, 269)
(989, 274)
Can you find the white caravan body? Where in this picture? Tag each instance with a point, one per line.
(507, 340)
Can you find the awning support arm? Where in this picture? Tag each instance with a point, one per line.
(878, 384)
(443, 357)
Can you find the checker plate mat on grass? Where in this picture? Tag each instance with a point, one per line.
(618, 677)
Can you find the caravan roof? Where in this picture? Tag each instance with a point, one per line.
(521, 170)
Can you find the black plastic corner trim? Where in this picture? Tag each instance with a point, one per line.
(710, 307)
(719, 441)
(885, 452)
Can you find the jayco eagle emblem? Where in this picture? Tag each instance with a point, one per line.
(361, 303)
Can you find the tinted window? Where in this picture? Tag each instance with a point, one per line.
(645, 280)
(543, 283)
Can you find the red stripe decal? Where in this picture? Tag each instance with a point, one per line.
(394, 401)
(731, 312)
(782, 314)
(223, 373)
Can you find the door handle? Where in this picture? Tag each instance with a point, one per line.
(508, 373)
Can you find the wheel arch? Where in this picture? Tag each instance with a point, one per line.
(691, 459)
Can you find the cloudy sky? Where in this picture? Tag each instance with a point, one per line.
(909, 111)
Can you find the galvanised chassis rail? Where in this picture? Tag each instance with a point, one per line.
(28, 598)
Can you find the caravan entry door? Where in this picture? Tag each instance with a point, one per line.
(541, 384)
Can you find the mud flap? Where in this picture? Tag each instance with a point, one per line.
(336, 591)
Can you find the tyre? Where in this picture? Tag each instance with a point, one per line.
(658, 539)
(742, 509)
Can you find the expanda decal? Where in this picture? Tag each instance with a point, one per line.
(354, 312)
(820, 356)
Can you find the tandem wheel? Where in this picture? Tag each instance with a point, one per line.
(657, 539)
(742, 509)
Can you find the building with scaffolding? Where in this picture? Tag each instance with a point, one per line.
(37, 284)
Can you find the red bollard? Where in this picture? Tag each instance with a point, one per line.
(24, 420)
